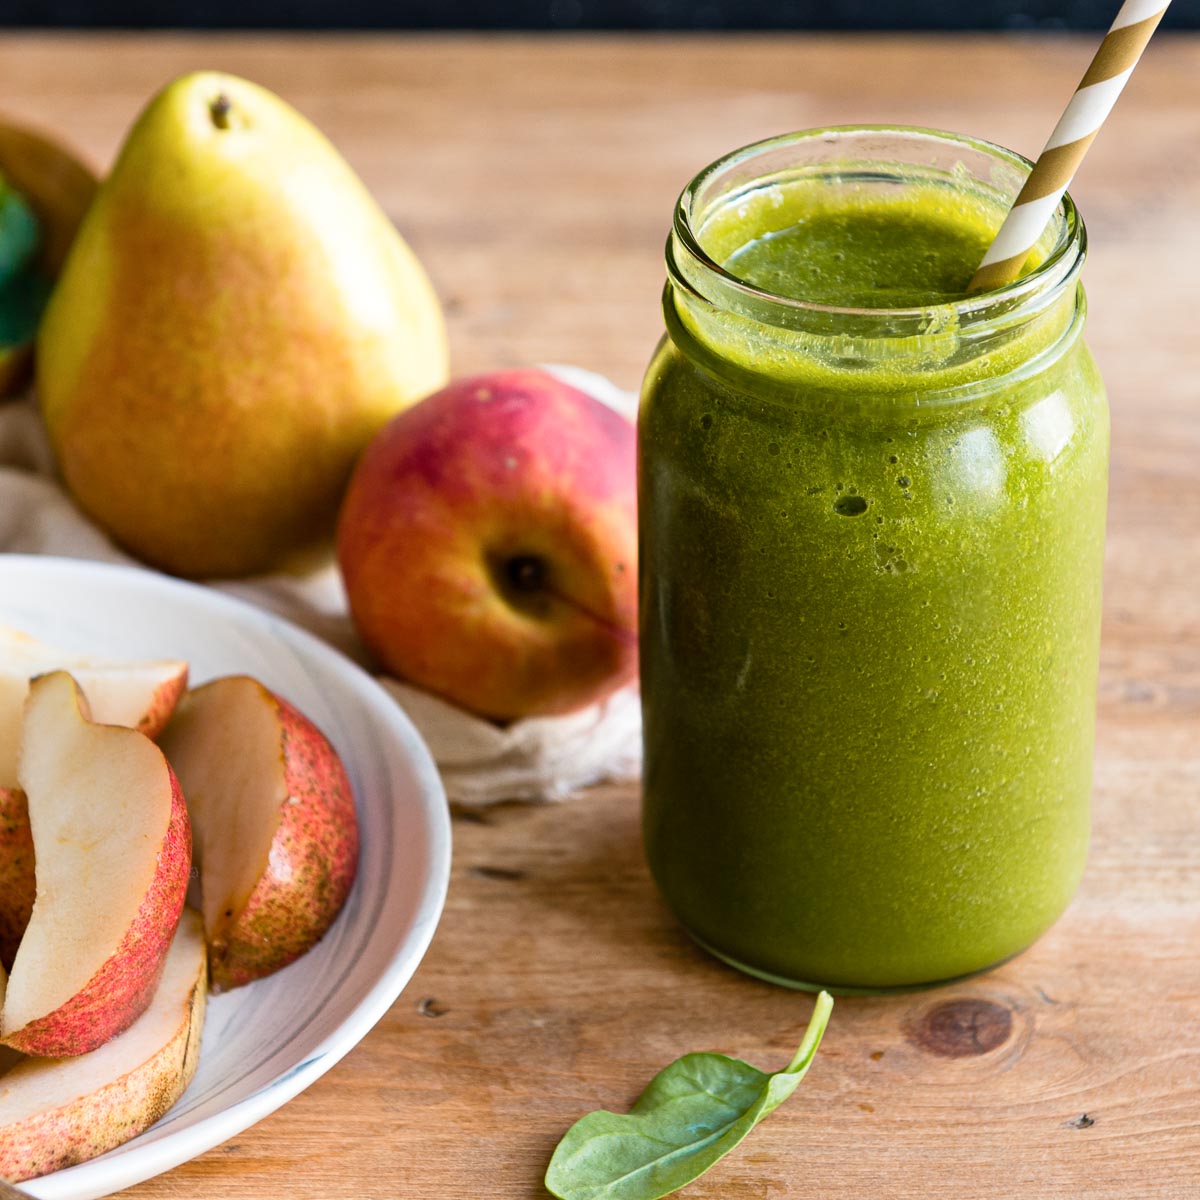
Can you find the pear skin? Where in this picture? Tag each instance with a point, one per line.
(235, 320)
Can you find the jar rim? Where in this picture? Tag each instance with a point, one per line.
(1058, 269)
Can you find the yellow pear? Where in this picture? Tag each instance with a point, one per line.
(234, 322)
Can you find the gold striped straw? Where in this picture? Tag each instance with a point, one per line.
(1056, 165)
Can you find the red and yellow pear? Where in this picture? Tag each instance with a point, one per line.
(488, 543)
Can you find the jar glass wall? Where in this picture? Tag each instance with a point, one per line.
(871, 547)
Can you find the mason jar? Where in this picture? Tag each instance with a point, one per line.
(872, 520)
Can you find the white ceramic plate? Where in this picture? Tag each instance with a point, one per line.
(266, 1042)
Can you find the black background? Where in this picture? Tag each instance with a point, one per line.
(579, 14)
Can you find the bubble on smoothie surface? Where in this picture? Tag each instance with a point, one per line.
(850, 506)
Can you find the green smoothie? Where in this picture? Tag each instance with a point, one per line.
(871, 556)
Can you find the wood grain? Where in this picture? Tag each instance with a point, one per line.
(536, 177)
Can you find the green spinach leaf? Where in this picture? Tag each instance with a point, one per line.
(693, 1113)
(19, 233)
(22, 301)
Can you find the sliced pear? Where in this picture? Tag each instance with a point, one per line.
(138, 694)
(56, 1112)
(113, 849)
(17, 884)
(273, 814)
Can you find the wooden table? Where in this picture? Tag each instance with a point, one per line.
(535, 177)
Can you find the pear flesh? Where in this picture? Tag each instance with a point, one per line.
(113, 852)
(55, 1112)
(275, 825)
(140, 695)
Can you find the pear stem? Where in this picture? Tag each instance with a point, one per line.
(219, 111)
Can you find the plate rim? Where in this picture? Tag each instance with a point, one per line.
(104, 1176)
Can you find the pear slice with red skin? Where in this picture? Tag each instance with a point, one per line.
(141, 695)
(56, 1112)
(113, 848)
(275, 828)
(55, 180)
(18, 886)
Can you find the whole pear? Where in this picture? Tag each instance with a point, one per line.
(235, 320)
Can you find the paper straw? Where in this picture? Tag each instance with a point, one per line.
(1093, 100)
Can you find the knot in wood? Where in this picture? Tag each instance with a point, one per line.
(962, 1028)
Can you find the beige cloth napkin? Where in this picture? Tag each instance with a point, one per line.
(544, 758)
